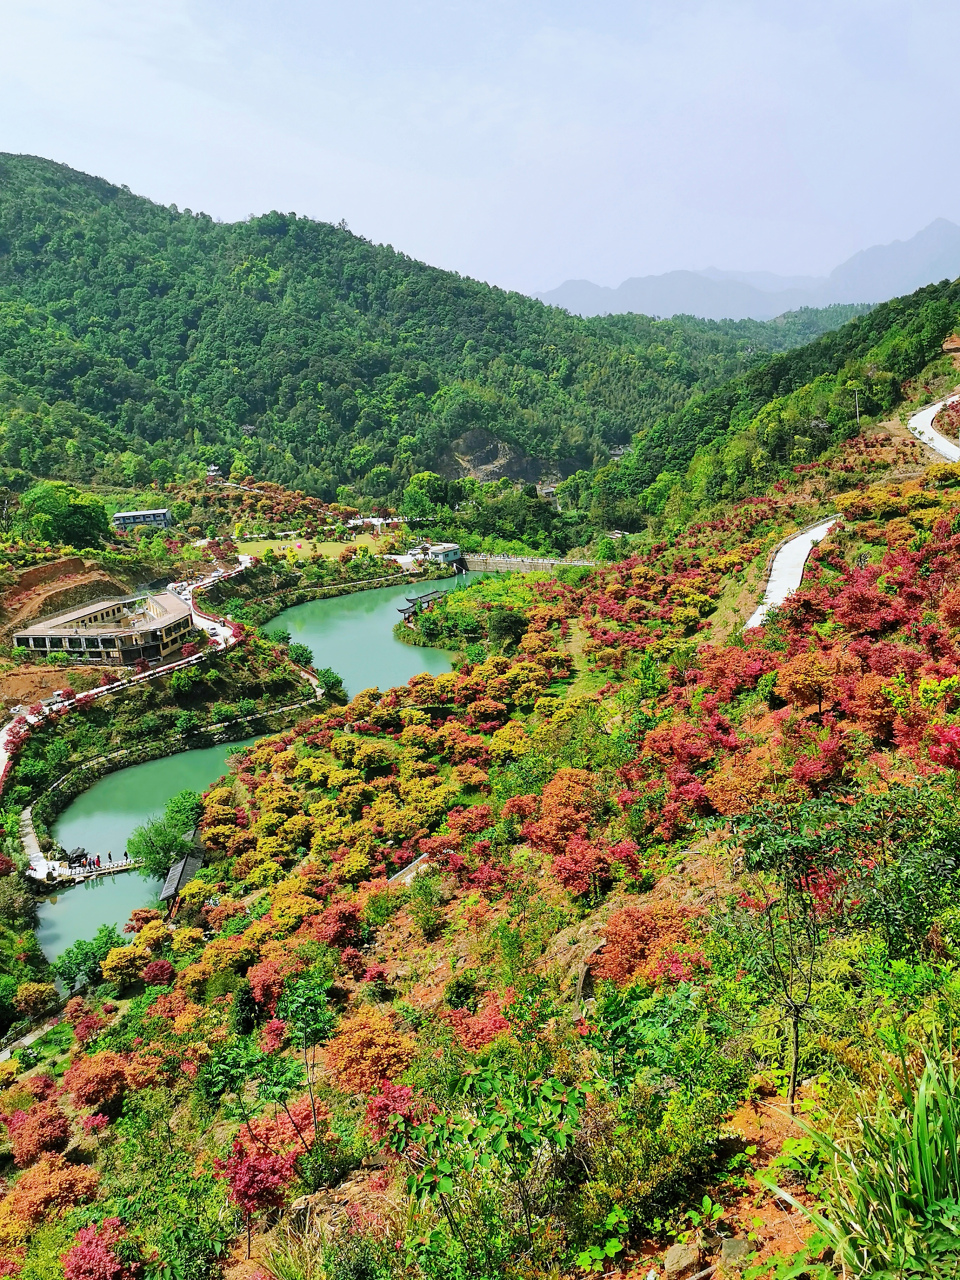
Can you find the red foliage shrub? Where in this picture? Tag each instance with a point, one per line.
(41, 1086)
(273, 1036)
(267, 978)
(652, 943)
(43, 1128)
(353, 962)
(945, 749)
(94, 1124)
(950, 608)
(394, 1104)
(89, 1027)
(476, 1030)
(587, 866)
(520, 807)
(75, 1009)
(339, 924)
(470, 821)
(258, 1180)
(158, 973)
(93, 1256)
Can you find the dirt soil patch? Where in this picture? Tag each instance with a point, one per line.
(28, 684)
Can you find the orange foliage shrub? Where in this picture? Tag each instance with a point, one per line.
(139, 917)
(804, 679)
(567, 808)
(652, 943)
(740, 783)
(50, 1186)
(143, 1071)
(43, 1128)
(871, 707)
(96, 1081)
(368, 1050)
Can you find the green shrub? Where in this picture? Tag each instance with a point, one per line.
(427, 896)
(891, 1196)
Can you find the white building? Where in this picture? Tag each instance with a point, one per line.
(442, 552)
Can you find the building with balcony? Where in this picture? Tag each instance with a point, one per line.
(116, 632)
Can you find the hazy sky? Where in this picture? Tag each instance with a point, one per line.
(523, 142)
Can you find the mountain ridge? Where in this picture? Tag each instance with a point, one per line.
(869, 276)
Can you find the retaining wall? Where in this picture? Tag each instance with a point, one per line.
(505, 564)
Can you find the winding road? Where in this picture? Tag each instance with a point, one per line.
(786, 572)
(921, 425)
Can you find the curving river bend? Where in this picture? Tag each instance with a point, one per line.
(353, 634)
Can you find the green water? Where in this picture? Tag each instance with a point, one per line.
(354, 635)
(100, 820)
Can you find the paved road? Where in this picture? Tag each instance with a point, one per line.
(921, 425)
(786, 572)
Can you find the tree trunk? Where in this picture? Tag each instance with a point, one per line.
(794, 1017)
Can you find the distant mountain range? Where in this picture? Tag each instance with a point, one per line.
(873, 275)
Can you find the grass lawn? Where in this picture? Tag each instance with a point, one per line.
(280, 546)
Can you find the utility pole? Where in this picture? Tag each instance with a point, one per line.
(856, 397)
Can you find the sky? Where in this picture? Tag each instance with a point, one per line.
(522, 142)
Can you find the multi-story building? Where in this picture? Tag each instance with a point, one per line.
(159, 518)
(117, 632)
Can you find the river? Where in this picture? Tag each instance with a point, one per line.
(352, 634)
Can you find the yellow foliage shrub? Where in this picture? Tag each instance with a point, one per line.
(185, 940)
(509, 743)
(367, 1050)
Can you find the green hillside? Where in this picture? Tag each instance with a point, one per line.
(738, 438)
(131, 332)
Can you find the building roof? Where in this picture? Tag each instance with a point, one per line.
(154, 511)
(442, 546)
(179, 874)
(172, 608)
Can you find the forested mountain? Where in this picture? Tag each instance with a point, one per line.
(795, 406)
(132, 333)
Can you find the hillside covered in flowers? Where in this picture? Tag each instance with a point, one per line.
(573, 960)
